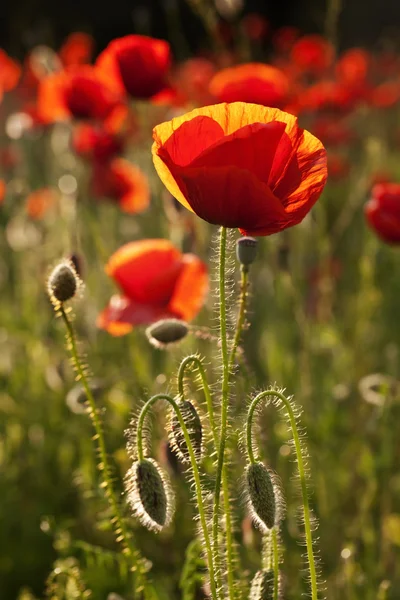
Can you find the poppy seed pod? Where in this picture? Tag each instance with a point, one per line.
(63, 283)
(193, 424)
(167, 331)
(261, 496)
(246, 250)
(262, 586)
(149, 494)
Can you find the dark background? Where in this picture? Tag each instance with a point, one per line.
(26, 23)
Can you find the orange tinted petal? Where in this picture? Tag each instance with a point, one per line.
(10, 72)
(191, 288)
(77, 49)
(146, 270)
(134, 193)
(230, 117)
(40, 202)
(51, 98)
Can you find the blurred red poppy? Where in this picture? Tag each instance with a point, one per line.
(10, 72)
(241, 165)
(386, 94)
(332, 131)
(77, 49)
(353, 66)
(3, 188)
(96, 143)
(123, 182)
(252, 82)
(326, 96)
(382, 211)
(157, 281)
(137, 63)
(313, 54)
(255, 25)
(285, 38)
(192, 79)
(338, 166)
(79, 92)
(39, 202)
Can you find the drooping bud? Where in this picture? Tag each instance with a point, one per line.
(262, 586)
(76, 399)
(167, 331)
(149, 494)
(246, 250)
(195, 430)
(63, 283)
(261, 496)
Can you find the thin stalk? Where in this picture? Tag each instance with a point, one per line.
(275, 546)
(241, 316)
(196, 475)
(187, 361)
(221, 475)
(302, 475)
(120, 529)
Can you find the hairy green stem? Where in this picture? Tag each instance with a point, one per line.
(241, 316)
(122, 535)
(302, 475)
(195, 470)
(275, 546)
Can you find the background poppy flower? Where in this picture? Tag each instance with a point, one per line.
(137, 63)
(123, 182)
(77, 49)
(10, 72)
(313, 54)
(241, 165)
(96, 142)
(382, 211)
(80, 92)
(3, 189)
(252, 82)
(39, 202)
(157, 281)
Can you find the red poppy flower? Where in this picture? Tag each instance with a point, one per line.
(39, 202)
(332, 131)
(192, 79)
(122, 182)
(386, 94)
(96, 143)
(77, 49)
(3, 189)
(285, 38)
(137, 63)
(252, 82)
(157, 281)
(241, 165)
(326, 95)
(79, 92)
(353, 66)
(10, 72)
(382, 211)
(313, 54)
(255, 25)
(338, 166)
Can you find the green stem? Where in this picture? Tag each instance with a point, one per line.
(195, 470)
(275, 545)
(221, 475)
(185, 364)
(302, 475)
(242, 314)
(121, 532)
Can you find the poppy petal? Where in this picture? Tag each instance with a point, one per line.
(191, 288)
(122, 314)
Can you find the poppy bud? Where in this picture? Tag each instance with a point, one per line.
(166, 331)
(262, 586)
(63, 283)
(149, 494)
(193, 424)
(246, 250)
(77, 263)
(261, 496)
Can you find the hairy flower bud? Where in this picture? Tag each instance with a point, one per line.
(63, 283)
(261, 496)
(246, 250)
(149, 494)
(166, 331)
(193, 424)
(262, 586)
